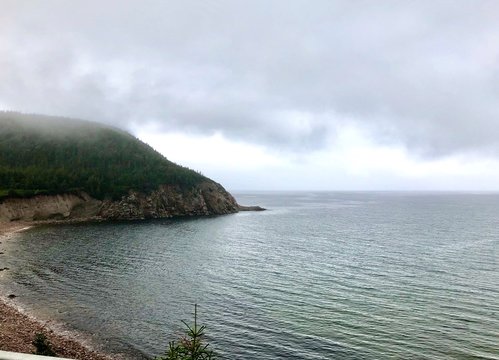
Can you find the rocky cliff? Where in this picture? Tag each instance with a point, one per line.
(87, 164)
(207, 198)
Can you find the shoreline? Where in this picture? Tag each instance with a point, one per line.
(18, 328)
(9, 228)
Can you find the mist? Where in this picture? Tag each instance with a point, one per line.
(307, 87)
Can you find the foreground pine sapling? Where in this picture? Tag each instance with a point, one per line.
(190, 346)
(42, 346)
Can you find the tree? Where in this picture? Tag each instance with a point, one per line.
(43, 346)
(190, 346)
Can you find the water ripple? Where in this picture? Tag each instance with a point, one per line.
(321, 276)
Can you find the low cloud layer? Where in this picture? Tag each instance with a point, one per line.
(286, 75)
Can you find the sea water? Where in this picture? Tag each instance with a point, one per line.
(319, 275)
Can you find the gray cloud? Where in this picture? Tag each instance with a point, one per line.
(283, 73)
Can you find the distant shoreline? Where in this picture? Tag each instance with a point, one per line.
(18, 329)
(12, 227)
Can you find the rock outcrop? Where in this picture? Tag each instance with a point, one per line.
(49, 207)
(207, 198)
(251, 208)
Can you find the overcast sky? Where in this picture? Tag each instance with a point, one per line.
(311, 95)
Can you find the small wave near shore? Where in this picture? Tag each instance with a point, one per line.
(18, 328)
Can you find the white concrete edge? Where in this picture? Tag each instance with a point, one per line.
(7, 355)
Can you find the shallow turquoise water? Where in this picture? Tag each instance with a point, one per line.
(318, 276)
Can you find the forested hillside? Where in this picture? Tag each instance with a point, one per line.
(49, 155)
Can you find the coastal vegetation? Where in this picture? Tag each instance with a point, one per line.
(191, 346)
(43, 346)
(52, 155)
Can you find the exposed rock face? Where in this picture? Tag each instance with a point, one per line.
(54, 207)
(208, 198)
(167, 201)
(251, 208)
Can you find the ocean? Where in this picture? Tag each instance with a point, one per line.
(319, 275)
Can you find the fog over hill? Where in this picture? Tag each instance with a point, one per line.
(294, 94)
(60, 168)
(51, 154)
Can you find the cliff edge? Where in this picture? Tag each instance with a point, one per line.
(55, 168)
(207, 198)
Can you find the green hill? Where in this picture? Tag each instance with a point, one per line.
(51, 155)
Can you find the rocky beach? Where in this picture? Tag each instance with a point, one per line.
(18, 329)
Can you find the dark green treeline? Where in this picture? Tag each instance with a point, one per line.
(49, 155)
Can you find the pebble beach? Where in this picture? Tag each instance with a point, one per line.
(18, 329)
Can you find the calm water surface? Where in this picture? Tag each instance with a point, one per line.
(318, 276)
